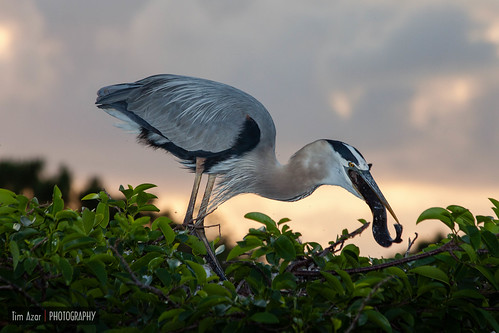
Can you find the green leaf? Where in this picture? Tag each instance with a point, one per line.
(378, 319)
(7, 197)
(402, 275)
(90, 196)
(347, 280)
(265, 219)
(431, 272)
(284, 248)
(461, 215)
(470, 251)
(163, 223)
(103, 209)
(148, 208)
(66, 269)
(88, 218)
(165, 276)
(196, 245)
(488, 275)
(437, 213)
(285, 280)
(143, 187)
(333, 282)
(248, 244)
(155, 263)
(128, 192)
(283, 220)
(206, 324)
(265, 318)
(144, 261)
(468, 293)
(362, 221)
(66, 215)
(80, 242)
(24, 234)
(496, 206)
(168, 315)
(14, 251)
(98, 269)
(490, 318)
(57, 202)
(491, 242)
(236, 252)
(216, 289)
(474, 235)
(198, 270)
(30, 264)
(430, 287)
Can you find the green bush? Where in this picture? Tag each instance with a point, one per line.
(138, 274)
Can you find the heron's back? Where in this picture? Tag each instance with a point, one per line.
(191, 117)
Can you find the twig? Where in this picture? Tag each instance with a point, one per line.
(364, 302)
(447, 247)
(411, 243)
(136, 281)
(343, 238)
(39, 243)
(15, 287)
(331, 248)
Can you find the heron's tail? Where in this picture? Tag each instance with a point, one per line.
(114, 100)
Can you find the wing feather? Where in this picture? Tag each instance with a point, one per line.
(191, 113)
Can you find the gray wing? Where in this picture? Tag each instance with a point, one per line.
(192, 114)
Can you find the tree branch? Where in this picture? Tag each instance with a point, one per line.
(15, 287)
(364, 302)
(444, 248)
(331, 248)
(136, 281)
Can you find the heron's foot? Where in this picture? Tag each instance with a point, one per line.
(192, 226)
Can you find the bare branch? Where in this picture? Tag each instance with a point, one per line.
(364, 302)
(343, 238)
(447, 247)
(300, 263)
(411, 243)
(15, 287)
(136, 281)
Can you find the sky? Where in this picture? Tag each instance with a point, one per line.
(412, 85)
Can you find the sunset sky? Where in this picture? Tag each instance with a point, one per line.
(413, 85)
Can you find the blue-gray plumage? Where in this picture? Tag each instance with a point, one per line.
(221, 131)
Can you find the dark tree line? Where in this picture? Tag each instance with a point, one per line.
(28, 177)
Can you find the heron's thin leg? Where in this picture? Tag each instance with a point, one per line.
(194, 193)
(199, 228)
(206, 199)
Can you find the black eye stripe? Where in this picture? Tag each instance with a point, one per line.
(343, 150)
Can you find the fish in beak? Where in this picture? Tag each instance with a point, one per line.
(366, 186)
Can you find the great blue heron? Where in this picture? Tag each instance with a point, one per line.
(216, 129)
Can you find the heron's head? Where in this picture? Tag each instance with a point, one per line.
(352, 172)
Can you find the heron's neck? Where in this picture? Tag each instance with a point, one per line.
(295, 180)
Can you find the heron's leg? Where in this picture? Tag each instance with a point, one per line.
(199, 228)
(194, 193)
(206, 199)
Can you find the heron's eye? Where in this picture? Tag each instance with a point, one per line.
(351, 165)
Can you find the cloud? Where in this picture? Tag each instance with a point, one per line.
(28, 61)
(440, 99)
(413, 86)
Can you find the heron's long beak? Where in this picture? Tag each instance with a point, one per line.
(364, 183)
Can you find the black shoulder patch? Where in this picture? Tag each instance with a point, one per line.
(343, 150)
(247, 140)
